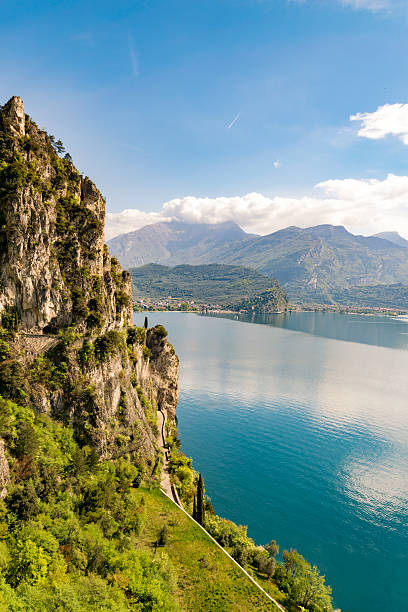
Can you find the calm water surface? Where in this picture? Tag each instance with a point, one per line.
(300, 428)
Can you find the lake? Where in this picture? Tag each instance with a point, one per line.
(299, 424)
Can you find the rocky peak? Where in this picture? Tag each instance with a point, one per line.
(14, 116)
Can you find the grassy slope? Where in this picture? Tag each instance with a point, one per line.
(207, 579)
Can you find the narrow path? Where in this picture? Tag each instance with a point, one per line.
(166, 485)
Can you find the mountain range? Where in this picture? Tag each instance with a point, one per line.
(314, 265)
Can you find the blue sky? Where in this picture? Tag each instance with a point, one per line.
(142, 94)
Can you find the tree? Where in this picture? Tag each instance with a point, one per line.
(146, 323)
(59, 147)
(272, 548)
(194, 509)
(303, 583)
(163, 535)
(200, 501)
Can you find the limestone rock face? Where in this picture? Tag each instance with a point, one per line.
(14, 117)
(164, 367)
(65, 306)
(55, 269)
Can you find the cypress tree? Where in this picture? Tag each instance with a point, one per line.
(194, 509)
(200, 500)
(146, 323)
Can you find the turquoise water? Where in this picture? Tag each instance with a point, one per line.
(303, 436)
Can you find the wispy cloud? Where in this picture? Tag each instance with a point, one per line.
(367, 5)
(233, 122)
(277, 164)
(134, 60)
(390, 119)
(364, 206)
(375, 5)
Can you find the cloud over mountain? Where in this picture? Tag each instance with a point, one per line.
(364, 206)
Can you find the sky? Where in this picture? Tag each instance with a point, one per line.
(266, 112)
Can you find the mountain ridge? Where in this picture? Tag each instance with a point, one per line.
(313, 264)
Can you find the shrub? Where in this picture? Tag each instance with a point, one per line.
(107, 344)
(135, 335)
(161, 331)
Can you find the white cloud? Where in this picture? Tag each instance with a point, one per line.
(129, 220)
(387, 119)
(365, 206)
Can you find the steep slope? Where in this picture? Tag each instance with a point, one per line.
(175, 243)
(54, 268)
(215, 284)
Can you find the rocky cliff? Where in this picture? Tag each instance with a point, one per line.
(67, 344)
(55, 270)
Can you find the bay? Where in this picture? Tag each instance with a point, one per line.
(299, 425)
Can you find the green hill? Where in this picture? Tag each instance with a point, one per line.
(232, 287)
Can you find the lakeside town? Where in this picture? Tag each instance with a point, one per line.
(182, 305)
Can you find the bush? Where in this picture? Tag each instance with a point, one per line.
(136, 335)
(161, 331)
(107, 344)
(86, 354)
(303, 583)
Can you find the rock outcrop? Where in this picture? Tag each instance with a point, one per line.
(55, 270)
(67, 340)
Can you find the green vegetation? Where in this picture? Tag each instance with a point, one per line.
(71, 527)
(292, 581)
(374, 296)
(230, 287)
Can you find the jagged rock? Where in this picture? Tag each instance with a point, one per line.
(14, 117)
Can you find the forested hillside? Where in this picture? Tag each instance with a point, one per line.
(231, 287)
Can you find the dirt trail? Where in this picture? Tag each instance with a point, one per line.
(165, 481)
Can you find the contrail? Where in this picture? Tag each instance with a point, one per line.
(133, 58)
(234, 121)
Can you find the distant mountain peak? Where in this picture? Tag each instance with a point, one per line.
(392, 237)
